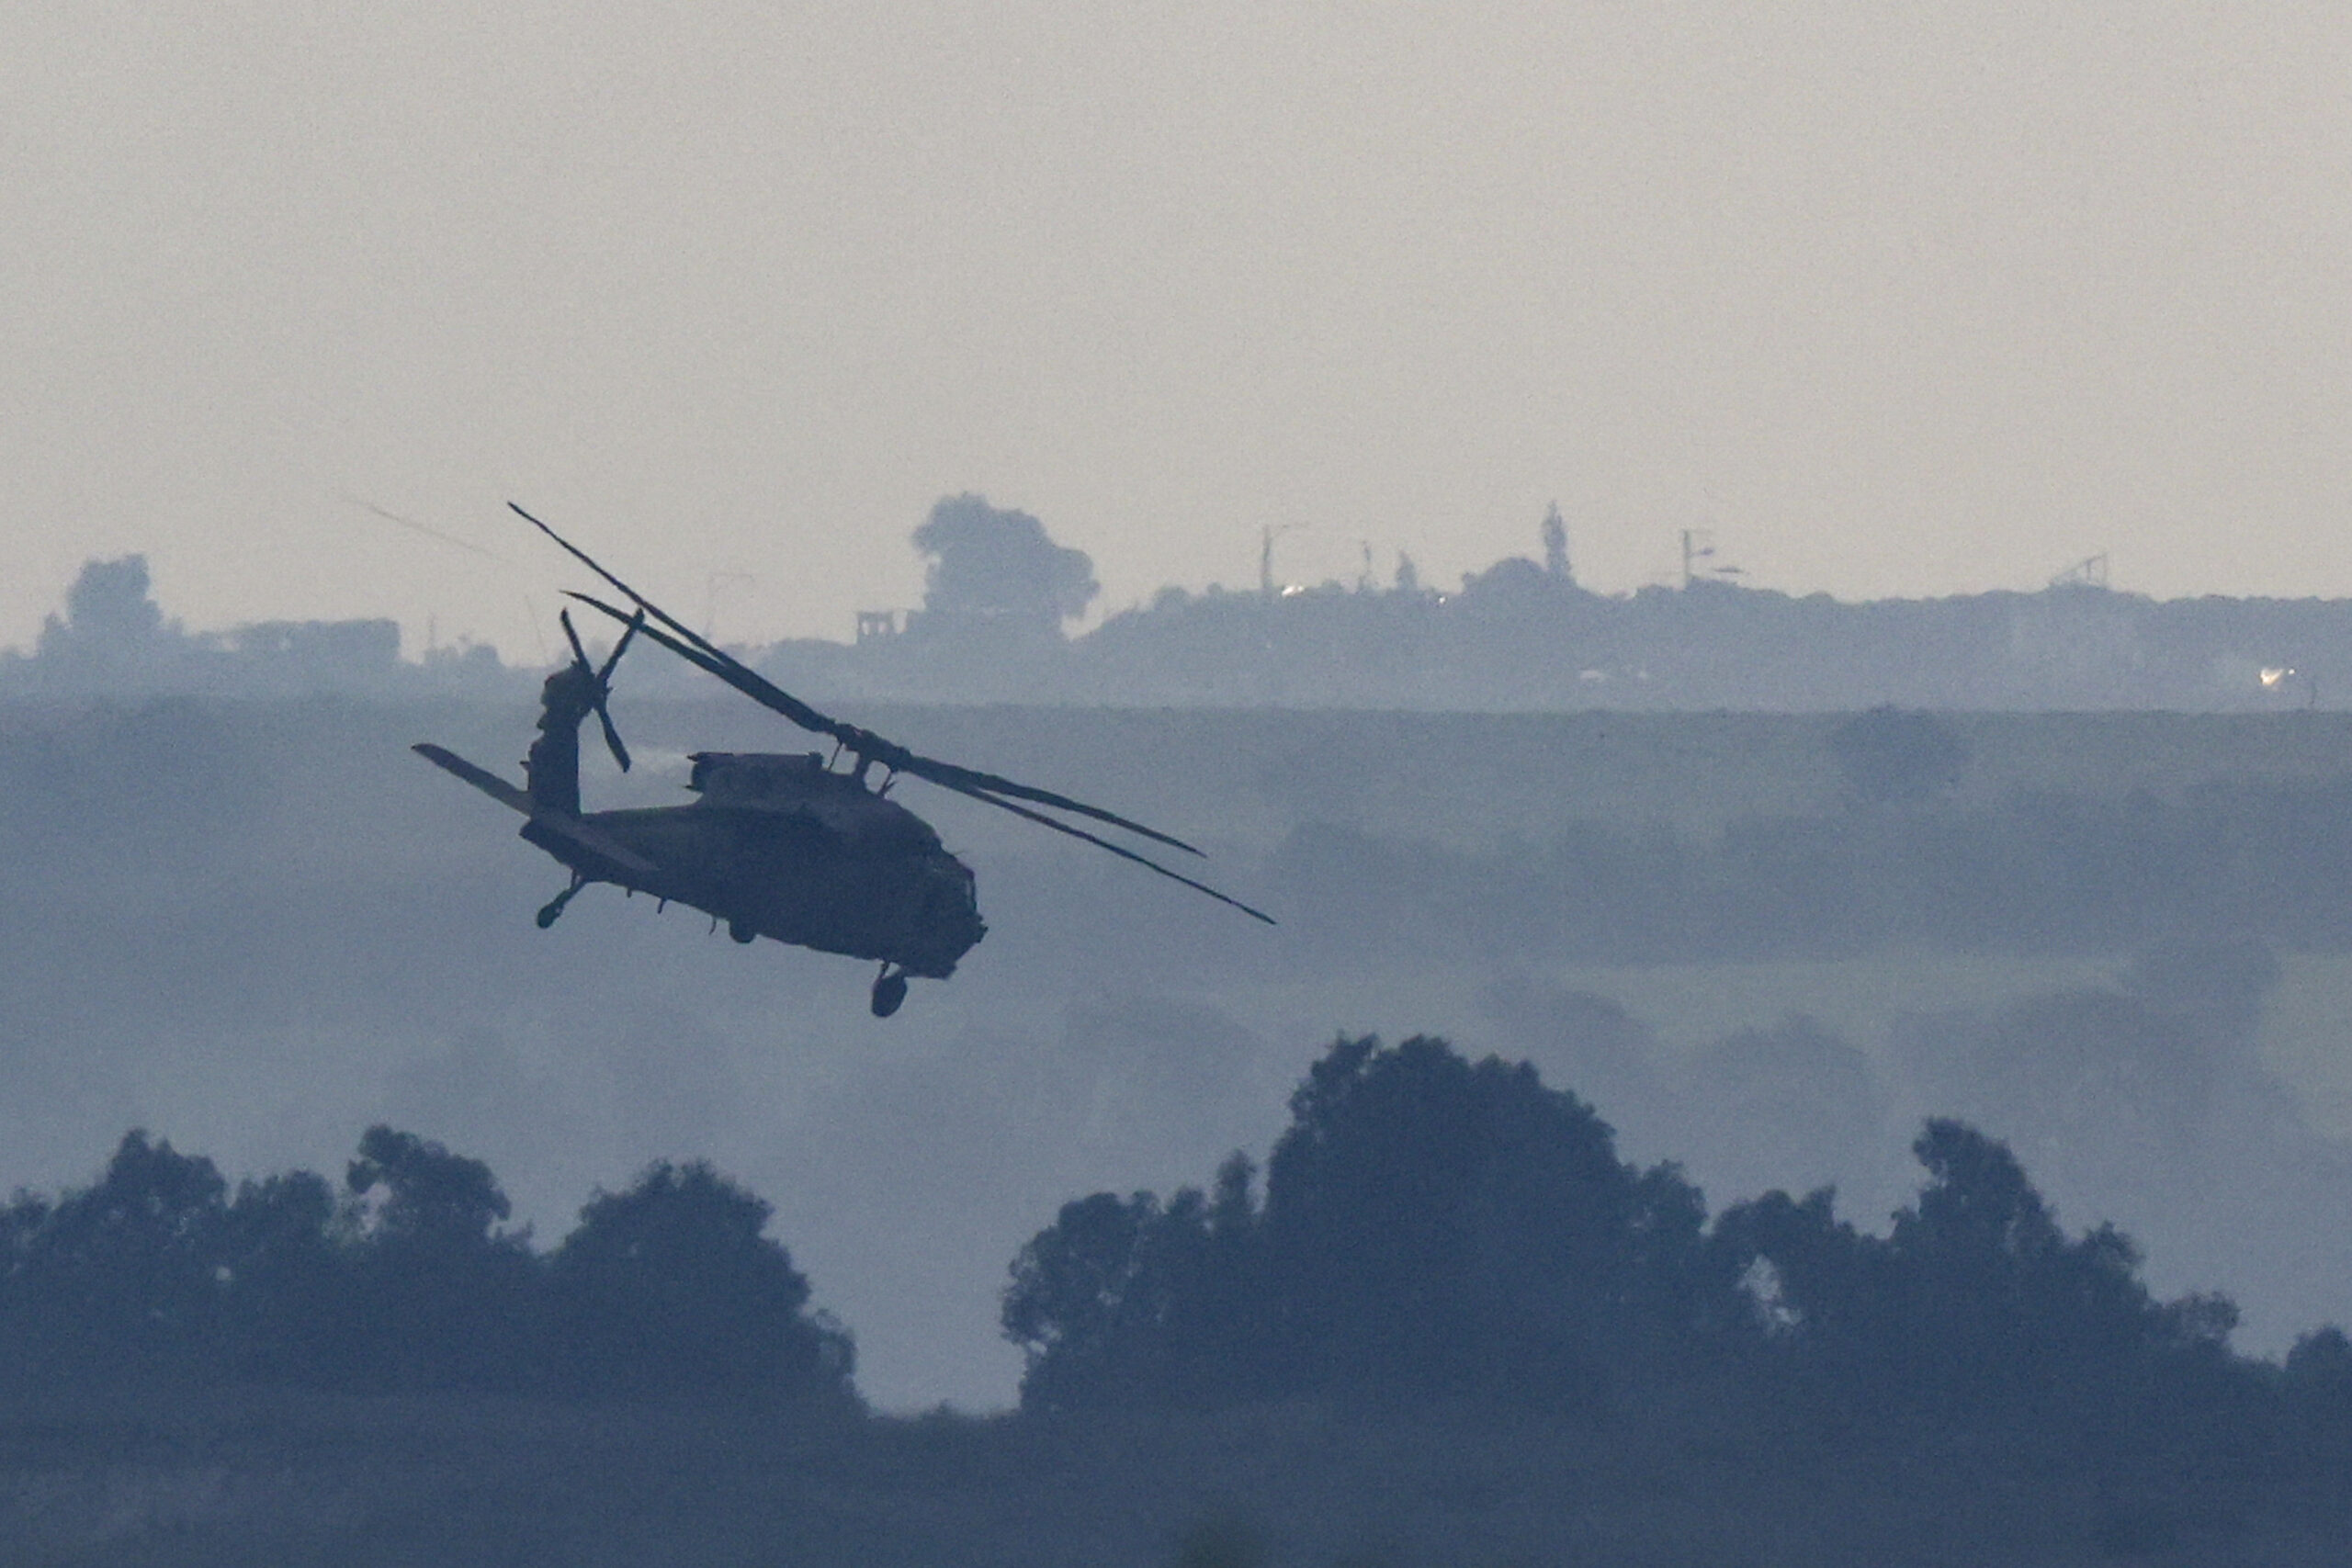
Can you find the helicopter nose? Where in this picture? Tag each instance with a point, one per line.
(954, 906)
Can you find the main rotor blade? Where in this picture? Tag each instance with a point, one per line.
(751, 685)
(783, 701)
(971, 780)
(732, 671)
(681, 633)
(865, 743)
(1123, 852)
(605, 676)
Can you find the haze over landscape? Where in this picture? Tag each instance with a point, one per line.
(1762, 593)
(1854, 919)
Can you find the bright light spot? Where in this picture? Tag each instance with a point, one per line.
(2274, 676)
(1292, 590)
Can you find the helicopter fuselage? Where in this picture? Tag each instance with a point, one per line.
(777, 846)
(780, 846)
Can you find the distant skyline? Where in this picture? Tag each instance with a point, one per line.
(1896, 303)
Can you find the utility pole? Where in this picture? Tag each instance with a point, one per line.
(1266, 537)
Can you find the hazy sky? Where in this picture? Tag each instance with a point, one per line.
(1915, 299)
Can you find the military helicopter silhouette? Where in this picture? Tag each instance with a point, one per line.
(776, 845)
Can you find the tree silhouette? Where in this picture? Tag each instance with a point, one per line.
(432, 1200)
(119, 1278)
(2319, 1370)
(1421, 1208)
(1811, 1277)
(1085, 1301)
(287, 1278)
(1430, 1226)
(1436, 1228)
(1975, 1304)
(442, 1298)
(670, 1284)
(405, 1281)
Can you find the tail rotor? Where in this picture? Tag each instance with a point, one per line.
(602, 679)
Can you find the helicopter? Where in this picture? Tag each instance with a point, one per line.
(787, 846)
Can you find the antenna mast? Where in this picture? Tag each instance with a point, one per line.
(2088, 572)
(1266, 537)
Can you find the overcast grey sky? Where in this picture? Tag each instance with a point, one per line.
(1917, 299)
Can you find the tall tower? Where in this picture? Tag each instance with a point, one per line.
(1555, 545)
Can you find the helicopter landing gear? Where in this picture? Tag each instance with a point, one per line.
(740, 932)
(889, 991)
(555, 906)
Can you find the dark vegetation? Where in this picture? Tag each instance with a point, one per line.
(1450, 1326)
(1432, 1228)
(402, 1281)
(1437, 1234)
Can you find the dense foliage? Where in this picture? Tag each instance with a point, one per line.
(405, 1279)
(1428, 1225)
(1434, 1226)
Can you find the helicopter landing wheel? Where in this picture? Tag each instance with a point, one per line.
(741, 932)
(889, 991)
(554, 907)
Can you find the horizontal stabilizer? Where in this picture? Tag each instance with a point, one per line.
(507, 795)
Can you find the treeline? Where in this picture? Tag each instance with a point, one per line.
(1433, 1229)
(1427, 1231)
(404, 1277)
(2033, 872)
